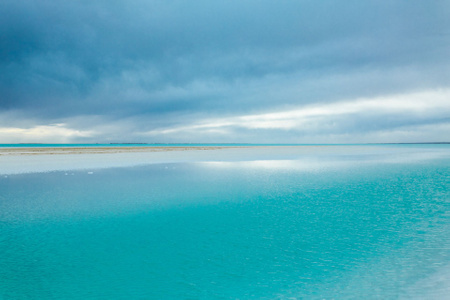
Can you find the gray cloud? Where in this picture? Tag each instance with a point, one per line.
(147, 65)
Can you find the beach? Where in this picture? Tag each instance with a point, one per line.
(94, 150)
(16, 160)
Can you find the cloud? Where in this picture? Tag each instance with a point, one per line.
(141, 65)
(380, 114)
(54, 133)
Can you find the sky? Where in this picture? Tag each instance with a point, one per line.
(235, 71)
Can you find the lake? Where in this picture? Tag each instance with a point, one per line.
(338, 222)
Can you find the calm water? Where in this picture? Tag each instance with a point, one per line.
(332, 227)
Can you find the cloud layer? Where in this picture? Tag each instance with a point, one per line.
(232, 71)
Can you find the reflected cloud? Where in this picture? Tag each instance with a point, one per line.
(312, 164)
(338, 158)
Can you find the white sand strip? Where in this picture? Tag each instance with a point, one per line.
(31, 160)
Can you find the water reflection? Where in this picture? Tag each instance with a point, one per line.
(321, 226)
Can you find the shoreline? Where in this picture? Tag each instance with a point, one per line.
(47, 159)
(100, 150)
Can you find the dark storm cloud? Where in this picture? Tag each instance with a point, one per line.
(151, 64)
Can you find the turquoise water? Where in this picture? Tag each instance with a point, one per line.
(345, 226)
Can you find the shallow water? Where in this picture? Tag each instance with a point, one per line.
(334, 226)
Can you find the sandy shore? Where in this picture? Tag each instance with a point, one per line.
(44, 159)
(96, 150)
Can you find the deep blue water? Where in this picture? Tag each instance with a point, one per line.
(351, 227)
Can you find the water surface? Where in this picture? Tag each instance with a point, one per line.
(371, 225)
